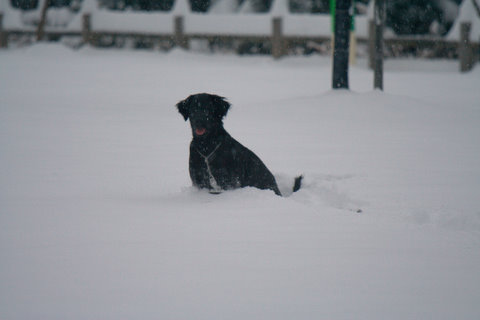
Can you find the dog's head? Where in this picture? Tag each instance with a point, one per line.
(205, 111)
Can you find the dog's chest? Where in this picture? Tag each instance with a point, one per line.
(222, 168)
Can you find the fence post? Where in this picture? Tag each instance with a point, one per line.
(43, 21)
(179, 32)
(465, 52)
(278, 42)
(378, 62)
(86, 28)
(3, 33)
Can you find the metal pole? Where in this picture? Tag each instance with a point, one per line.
(379, 19)
(341, 45)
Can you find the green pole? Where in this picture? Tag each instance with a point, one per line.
(352, 27)
(341, 51)
(332, 14)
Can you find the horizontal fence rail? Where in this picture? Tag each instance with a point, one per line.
(279, 31)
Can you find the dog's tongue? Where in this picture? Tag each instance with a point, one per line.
(200, 131)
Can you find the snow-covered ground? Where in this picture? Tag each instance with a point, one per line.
(98, 219)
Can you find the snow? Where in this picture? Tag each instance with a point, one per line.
(223, 7)
(220, 22)
(57, 18)
(229, 24)
(279, 8)
(308, 25)
(12, 18)
(467, 14)
(143, 22)
(98, 219)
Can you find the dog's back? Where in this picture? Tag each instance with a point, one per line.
(229, 166)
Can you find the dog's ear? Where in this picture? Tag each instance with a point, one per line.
(183, 108)
(221, 106)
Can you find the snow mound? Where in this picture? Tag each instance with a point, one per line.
(98, 219)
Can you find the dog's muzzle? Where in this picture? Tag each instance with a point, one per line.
(200, 131)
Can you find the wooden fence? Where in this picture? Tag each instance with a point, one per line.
(279, 40)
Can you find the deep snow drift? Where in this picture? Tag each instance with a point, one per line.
(98, 219)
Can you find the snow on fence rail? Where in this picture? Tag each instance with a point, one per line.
(279, 27)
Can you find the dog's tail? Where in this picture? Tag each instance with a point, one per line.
(298, 183)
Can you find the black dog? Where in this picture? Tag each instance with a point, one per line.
(217, 161)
